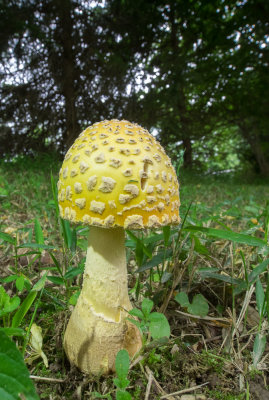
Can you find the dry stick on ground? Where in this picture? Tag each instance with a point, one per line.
(169, 396)
(136, 361)
(238, 322)
(42, 378)
(158, 386)
(226, 321)
(150, 378)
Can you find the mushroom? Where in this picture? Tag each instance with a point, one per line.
(116, 176)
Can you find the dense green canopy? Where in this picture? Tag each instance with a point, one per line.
(195, 72)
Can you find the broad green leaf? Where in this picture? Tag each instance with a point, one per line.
(121, 383)
(97, 395)
(4, 297)
(123, 395)
(10, 278)
(182, 299)
(20, 283)
(13, 331)
(15, 382)
(122, 364)
(21, 312)
(9, 304)
(159, 326)
(136, 323)
(258, 270)
(147, 306)
(227, 235)
(74, 298)
(199, 306)
(136, 313)
(3, 192)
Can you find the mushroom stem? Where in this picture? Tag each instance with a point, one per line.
(98, 329)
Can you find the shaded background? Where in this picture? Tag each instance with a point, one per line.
(195, 73)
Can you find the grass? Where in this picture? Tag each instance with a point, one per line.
(219, 338)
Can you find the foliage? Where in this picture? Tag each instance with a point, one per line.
(198, 306)
(14, 376)
(121, 382)
(195, 72)
(150, 322)
(219, 253)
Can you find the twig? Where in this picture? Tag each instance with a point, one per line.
(136, 361)
(184, 391)
(158, 386)
(42, 378)
(225, 321)
(245, 305)
(150, 377)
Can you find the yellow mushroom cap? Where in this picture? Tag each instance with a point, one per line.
(117, 174)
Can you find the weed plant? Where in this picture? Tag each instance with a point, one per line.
(200, 291)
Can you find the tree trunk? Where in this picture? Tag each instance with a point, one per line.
(187, 158)
(68, 71)
(257, 151)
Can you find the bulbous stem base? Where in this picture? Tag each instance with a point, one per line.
(98, 328)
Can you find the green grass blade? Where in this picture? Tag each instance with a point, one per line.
(227, 235)
(36, 246)
(67, 232)
(166, 234)
(57, 265)
(39, 237)
(140, 242)
(26, 304)
(7, 238)
(258, 270)
(260, 297)
(73, 243)
(54, 193)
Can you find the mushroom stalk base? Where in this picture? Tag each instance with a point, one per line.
(98, 329)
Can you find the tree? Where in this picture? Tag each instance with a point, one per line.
(64, 68)
(244, 89)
